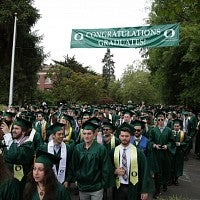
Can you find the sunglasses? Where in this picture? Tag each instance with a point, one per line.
(106, 129)
(137, 130)
(160, 119)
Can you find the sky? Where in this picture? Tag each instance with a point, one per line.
(59, 17)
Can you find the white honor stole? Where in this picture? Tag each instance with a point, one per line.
(62, 165)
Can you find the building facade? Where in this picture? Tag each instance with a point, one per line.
(44, 82)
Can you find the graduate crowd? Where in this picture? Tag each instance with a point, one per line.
(109, 152)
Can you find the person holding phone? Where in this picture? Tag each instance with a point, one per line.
(162, 143)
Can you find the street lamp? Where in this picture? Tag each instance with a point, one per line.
(12, 63)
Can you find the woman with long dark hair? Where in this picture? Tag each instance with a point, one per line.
(42, 183)
(8, 184)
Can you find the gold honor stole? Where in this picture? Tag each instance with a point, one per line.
(133, 168)
(112, 142)
(44, 134)
(69, 135)
(18, 169)
(181, 136)
(18, 172)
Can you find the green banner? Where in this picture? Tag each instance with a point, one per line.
(128, 37)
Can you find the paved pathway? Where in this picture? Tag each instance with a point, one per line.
(189, 183)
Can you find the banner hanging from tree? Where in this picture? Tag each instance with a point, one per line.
(128, 37)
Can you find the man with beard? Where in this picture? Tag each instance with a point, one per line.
(133, 179)
(19, 153)
(139, 140)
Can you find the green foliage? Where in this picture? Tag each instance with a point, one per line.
(136, 86)
(115, 91)
(108, 68)
(175, 70)
(73, 87)
(74, 65)
(28, 54)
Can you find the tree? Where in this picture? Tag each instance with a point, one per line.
(28, 54)
(136, 86)
(115, 91)
(76, 87)
(74, 65)
(108, 68)
(176, 68)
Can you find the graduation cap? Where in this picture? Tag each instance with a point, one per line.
(143, 117)
(30, 116)
(54, 108)
(95, 120)
(78, 118)
(54, 128)
(41, 113)
(138, 123)
(129, 112)
(159, 114)
(89, 126)
(185, 113)
(130, 106)
(178, 121)
(128, 126)
(85, 113)
(9, 114)
(172, 114)
(68, 118)
(23, 123)
(46, 158)
(137, 113)
(149, 112)
(109, 125)
(34, 107)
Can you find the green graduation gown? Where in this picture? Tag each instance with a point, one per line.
(9, 189)
(109, 145)
(20, 155)
(144, 184)
(91, 167)
(61, 193)
(68, 177)
(161, 158)
(178, 157)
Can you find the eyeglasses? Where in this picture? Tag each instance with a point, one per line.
(160, 119)
(137, 130)
(106, 129)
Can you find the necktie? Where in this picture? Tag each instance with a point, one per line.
(124, 165)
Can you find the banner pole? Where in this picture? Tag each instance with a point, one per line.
(12, 63)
